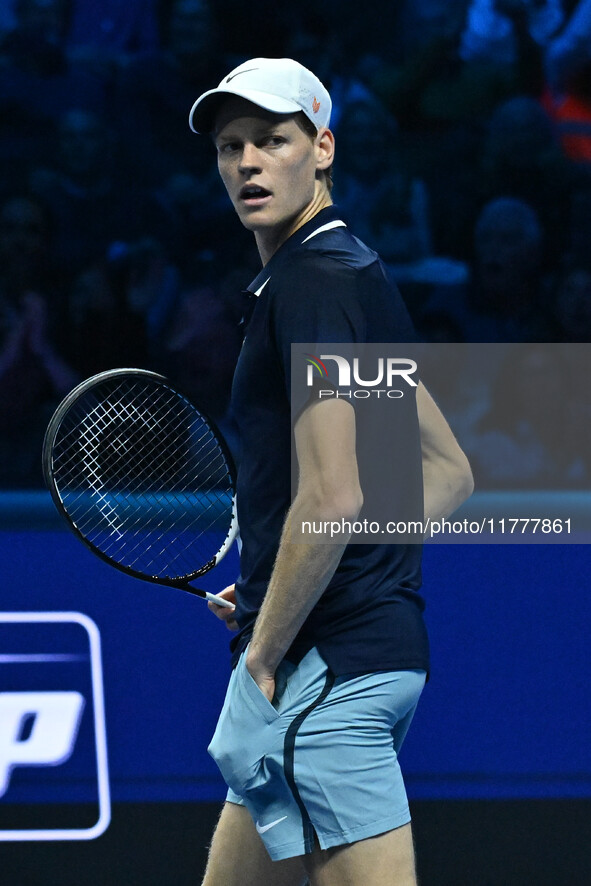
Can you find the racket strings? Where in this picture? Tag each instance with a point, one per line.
(144, 478)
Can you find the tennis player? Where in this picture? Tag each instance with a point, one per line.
(331, 652)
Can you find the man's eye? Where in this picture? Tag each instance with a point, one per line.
(227, 148)
(275, 140)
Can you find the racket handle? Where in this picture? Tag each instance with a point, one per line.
(219, 601)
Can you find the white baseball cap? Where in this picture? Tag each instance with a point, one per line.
(280, 85)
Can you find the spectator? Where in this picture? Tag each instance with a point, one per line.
(156, 90)
(89, 192)
(422, 21)
(191, 217)
(568, 69)
(390, 205)
(120, 307)
(38, 82)
(490, 32)
(25, 246)
(33, 375)
(202, 348)
(314, 42)
(521, 158)
(508, 269)
(46, 19)
(505, 299)
(443, 103)
(572, 305)
(436, 87)
(569, 52)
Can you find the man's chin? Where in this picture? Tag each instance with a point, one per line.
(256, 221)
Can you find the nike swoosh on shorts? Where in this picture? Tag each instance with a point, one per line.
(262, 828)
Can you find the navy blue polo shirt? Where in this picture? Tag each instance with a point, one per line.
(323, 285)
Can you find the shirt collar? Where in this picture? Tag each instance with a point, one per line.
(324, 217)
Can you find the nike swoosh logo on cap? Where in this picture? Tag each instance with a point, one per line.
(262, 828)
(237, 74)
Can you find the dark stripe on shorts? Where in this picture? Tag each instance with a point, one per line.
(289, 756)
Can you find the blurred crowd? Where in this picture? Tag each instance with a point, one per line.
(463, 156)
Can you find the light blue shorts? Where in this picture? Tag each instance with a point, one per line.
(322, 759)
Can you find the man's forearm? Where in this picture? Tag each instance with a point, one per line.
(300, 576)
(328, 489)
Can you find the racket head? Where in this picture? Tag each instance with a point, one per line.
(141, 476)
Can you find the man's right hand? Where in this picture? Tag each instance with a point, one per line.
(224, 614)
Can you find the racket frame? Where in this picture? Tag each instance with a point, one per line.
(180, 582)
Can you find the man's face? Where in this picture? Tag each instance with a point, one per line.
(506, 257)
(267, 163)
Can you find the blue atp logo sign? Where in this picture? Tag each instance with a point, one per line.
(53, 755)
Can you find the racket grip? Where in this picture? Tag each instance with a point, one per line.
(219, 601)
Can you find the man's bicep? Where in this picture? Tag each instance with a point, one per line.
(437, 438)
(325, 449)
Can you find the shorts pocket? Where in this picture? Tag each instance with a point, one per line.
(254, 695)
(245, 731)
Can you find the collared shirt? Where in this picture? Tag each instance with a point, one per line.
(322, 285)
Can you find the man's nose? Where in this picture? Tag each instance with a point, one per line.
(250, 160)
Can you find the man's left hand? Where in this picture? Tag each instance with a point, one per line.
(261, 675)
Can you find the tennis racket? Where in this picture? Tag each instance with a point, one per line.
(142, 478)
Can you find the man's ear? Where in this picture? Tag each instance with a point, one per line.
(324, 145)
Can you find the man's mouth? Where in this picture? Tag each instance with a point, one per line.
(254, 195)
